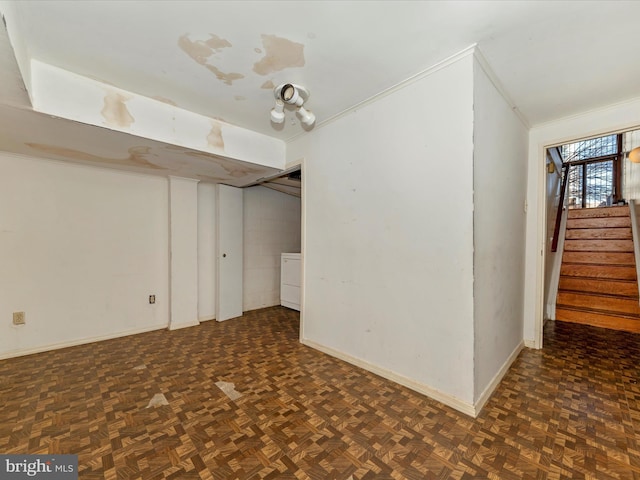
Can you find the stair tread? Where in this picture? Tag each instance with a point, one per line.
(600, 294)
(612, 313)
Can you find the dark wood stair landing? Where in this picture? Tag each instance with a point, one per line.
(598, 283)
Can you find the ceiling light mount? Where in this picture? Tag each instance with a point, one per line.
(295, 95)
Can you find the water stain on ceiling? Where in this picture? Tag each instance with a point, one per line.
(137, 155)
(214, 139)
(165, 100)
(233, 169)
(115, 110)
(268, 85)
(202, 51)
(280, 53)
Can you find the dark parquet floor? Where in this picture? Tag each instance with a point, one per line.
(571, 410)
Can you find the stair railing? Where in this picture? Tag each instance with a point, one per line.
(557, 242)
(636, 237)
(563, 193)
(556, 267)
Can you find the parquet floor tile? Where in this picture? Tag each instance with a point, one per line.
(151, 406)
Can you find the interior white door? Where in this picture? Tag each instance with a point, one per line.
(229, 219)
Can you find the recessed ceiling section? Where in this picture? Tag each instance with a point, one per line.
(289, 183)
(34, 134)
(67, 95)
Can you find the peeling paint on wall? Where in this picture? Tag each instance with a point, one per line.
(115, 110)
(201, 51)
(280, 53)
(268, 85)
(214, 139)
(136, 156)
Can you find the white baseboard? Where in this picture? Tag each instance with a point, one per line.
(183, 325)
(206, 319)
(495, 381)
(449, 400)
(82, 341)
(530, 343)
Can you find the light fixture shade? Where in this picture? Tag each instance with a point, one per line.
(277, 112)
(306, 117)
(634, 155)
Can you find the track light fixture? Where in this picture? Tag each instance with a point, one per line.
(291, 94)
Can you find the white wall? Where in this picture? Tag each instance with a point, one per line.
(206, 251)
(183, 242)
(81, 249)
(614, 118)
(271, 227)
(500, 156)
(388, 254)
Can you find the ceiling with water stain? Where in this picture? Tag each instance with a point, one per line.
(214, 64)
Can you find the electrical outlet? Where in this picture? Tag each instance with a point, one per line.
(152, 299)
(18, 318)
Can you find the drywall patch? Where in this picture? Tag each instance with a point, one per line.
(115, 110)
(229, 389)
(201, 52)
(268, 85)
(137, 155)
(157, 400)
(280, 53)
(214, 138)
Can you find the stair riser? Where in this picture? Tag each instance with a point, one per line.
(608, 287)
(611, 304)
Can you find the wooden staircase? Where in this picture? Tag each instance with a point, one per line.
(598, 284)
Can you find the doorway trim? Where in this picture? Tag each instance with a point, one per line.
(608, 120)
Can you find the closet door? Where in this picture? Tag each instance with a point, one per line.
(229, 247)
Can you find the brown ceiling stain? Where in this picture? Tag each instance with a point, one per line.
(214, 139)
(208, 178)
(165, 100)
(136, 156)
(227, 78)
(217, 43)
(239, 97)
(115, 110)
(233, 169)
(268, 85)
(201, 51)
(280, 53)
